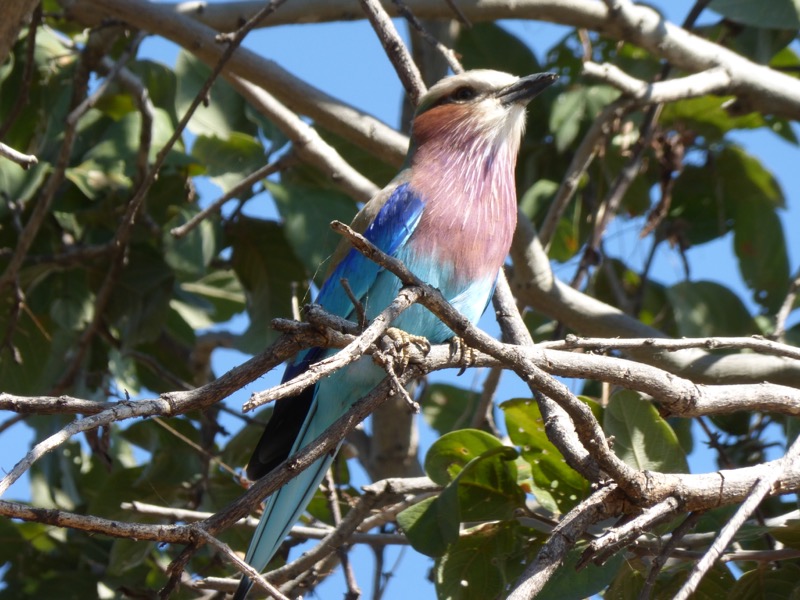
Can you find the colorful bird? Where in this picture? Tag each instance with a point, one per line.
(449, 215)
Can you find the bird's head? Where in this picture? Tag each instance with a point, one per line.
(476, 106)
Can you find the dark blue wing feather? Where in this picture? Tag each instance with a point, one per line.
(392, 227)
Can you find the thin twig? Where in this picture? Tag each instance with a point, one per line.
(786, 308)
(756, 342)
(395, 49)
(448, 54)
(759, 491)
(248, 571)
(23, 97)
(659, 561)
(245, 184)
(26, 161)
(352, 352)
(583, 157)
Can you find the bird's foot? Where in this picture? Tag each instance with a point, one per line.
(465, 354)
(401, 342)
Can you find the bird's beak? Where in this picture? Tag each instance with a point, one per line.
(526, 88)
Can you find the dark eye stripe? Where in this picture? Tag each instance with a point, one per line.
(463, 94)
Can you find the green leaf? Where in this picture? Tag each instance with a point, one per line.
(778, 14)
(707, 116)
(96, 180)
(567, 583)
(140, 301)
(192, 253)
(788, 533)
(766, 581)
(568, 111)
(128, 554)
(632, 573)
(119, 146)
(478, 46)
(229, 160)
(450, 453)
(224, 112)
(480, 483)
(697, 208)
(705, 308)
(432, 525)
(161, 84)
(366, 163)
(761, 248)
(447, 408)
(72, 307)
(222, 290)
(268, 271)
(307, 214)
(484, 562)
(745, 179)
(557, 486)
(19, 184)
(642, 438)
(537, 199)
(575, 105)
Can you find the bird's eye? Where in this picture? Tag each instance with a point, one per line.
(463, 94)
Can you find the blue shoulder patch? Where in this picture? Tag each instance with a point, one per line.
(390, 229)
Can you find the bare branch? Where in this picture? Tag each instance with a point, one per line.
(763, 486)
(766, 90)
(26, 161)
(395, 49)
(595, 508)
(713, 81)
(249, 571)
(534, 284)
(245, 184)
(300, 97)
(352, 352)
(757, 343)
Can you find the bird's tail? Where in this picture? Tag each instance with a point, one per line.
(281, 511)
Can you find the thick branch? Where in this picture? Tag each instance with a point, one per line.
(767, 91)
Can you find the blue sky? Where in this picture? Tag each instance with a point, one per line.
(317, 53)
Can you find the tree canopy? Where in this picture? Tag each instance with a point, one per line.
(130, 254)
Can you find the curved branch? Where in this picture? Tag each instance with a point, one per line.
(765, 89)
(534, 283)
(299, 96)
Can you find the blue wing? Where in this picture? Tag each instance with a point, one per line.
(298, 421)
(390, 230)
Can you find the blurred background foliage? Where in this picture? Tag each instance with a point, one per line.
(172, 299)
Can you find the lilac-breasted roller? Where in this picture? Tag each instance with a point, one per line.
(449, 215)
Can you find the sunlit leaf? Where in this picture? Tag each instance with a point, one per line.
(229, 160)
(642, 438)
(778, 14)
(447, 408)
(224, 111)
(766, 581)
(706, 308)
(557, 486)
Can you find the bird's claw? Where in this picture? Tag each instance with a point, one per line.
(401, 342)
(466, 355)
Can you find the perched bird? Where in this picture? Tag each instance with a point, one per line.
(449, 215)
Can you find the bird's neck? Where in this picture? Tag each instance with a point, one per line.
(467, 184)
